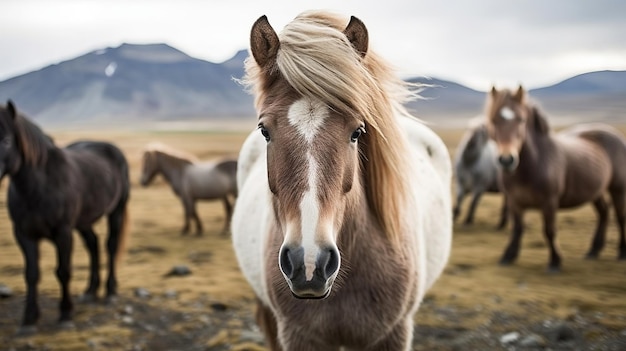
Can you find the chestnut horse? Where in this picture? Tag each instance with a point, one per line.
(192, 180)
(344, 219)
(547, 171)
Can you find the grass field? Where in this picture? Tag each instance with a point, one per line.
(473, 281)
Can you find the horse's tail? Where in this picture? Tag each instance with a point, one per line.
(122, 240)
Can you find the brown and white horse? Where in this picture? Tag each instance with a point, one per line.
(343, 220)
(547, 171)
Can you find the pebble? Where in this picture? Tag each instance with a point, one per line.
(5, 291)
(509, 338)
(533, 340)
(142, 293)
(179, 271)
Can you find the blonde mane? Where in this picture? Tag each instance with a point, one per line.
(157, 147)
(316, 58)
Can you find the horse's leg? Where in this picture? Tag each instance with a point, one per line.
(91, 243)
(549, 231)
(196, 218)
(619, 204)
(399, 338)
(30, 250)
(512, 250)
(504, 213)
(116, 227)
(187, 215)
(228, 209)
(469, 219)
(63, 242)
(460, 195)
(599, 238)
(267, 323)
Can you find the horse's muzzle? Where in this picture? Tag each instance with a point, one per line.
(508, 162)
(294, 270)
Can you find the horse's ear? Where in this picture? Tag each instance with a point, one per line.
(264, 42)
(519, 94)
(493, 92)
(11, 108)
(356, 32)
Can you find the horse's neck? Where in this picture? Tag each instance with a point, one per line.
(33, 181)
(534, 154)
(172, 169)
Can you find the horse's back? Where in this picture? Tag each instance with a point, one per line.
(104, 177)
(603, 142)
(432, 192)
(426, 142)
(252, 212)
(208, 180)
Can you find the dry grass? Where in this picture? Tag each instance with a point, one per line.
(473, 280)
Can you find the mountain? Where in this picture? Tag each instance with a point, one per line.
(131, 81)
(445, 97)
(594, 96)
(158, 82)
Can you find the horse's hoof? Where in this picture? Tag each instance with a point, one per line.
(111, 300)
(27, 330)
(553, 270)
(88, 298)
(67, 325)
(621, 257)
(591, 256)
(506, 262)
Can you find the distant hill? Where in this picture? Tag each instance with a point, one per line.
(131, 81)
(157, 82)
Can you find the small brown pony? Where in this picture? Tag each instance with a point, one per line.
(192, 180)
(344, 217)
(548, 171)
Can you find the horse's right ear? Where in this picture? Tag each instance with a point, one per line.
(264, 42)
(11, 108)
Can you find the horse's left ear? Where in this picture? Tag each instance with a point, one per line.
(11, 108)
(357, 35)
(264, 42)
(519, 94)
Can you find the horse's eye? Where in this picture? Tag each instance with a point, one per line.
(264, 132)
(356, 134)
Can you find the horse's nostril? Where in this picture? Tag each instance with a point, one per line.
(506, 160)
(285, 263)
(328, 262)
(291, 261)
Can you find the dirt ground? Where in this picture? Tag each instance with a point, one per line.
(476, 305)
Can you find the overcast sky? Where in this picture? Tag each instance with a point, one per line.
(476, 43)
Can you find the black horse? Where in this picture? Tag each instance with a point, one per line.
(55, 190)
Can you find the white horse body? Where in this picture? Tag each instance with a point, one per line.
(432, 222)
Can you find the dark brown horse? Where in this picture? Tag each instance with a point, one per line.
(549, 171)
(54, 191)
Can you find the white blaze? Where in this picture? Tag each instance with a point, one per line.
(307, 116)
(507, 113)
